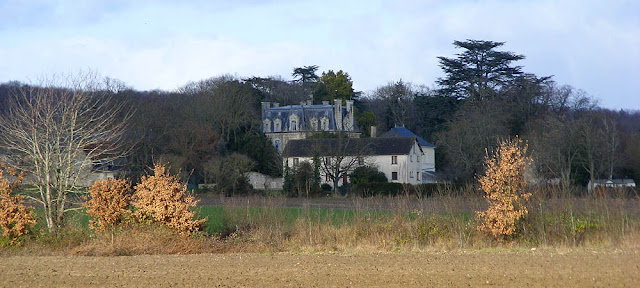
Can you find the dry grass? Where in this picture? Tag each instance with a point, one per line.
(364, 225)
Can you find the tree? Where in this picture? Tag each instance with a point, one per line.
(473, 128)
(433, 113)
(229, 172)
(306, 74)
(223, 103)
(332, 86)
(504, 186)
(341, 156)
(479, 71)
(56, 132)
(277, 89)
(303, 182)
(398, 98)
(365, 121)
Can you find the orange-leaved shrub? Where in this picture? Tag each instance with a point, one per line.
(161, 198)
(15, 218)
(504, 186)
(108, 204)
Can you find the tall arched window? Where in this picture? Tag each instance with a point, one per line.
(294, 125)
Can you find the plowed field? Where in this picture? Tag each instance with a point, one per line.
(541, 268)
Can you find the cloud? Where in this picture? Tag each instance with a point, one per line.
(163, 44)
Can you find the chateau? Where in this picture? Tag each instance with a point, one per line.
(281, 124)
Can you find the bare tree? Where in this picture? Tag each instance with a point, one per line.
(56, 132)
(340, 157)
(224, 103)
(398, 99)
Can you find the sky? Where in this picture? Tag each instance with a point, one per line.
(590, 45)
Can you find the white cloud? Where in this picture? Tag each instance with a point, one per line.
(149, 44)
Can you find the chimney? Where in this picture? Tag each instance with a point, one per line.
(348, 121)
(337, 113)
(373, 131)
(309, 102)
(265, 106)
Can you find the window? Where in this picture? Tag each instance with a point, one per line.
(360, 161)
(267, 126)
(418, 176)
(277, 144)
(277, 125)
(411, 174)
(325, 124)
(411, 158)
(394, 159)
(394, 175)
(294, 125)
(296, 161)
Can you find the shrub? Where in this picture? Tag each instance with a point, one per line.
(161, 198)
(366, 174)
(15, 218)
(504, 188)
(108, 204)
(302, 181)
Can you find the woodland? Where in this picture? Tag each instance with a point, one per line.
(208, 131)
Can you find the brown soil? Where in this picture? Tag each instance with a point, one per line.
(542, 268)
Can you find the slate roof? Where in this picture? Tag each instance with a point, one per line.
(305, 113)
(353, 146)
(404, 132)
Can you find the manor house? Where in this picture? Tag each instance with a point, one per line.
(283, 123)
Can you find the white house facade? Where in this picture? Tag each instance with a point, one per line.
(401, 159)
(428, 162)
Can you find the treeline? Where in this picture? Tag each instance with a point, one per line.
(209, 131)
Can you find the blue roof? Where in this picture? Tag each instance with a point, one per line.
(404, 132)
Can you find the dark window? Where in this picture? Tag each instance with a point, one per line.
(394, 175)
(295, 161)
(394, 159)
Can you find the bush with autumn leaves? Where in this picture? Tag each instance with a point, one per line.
(505, 189)
(158, 198)
(15, 217)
